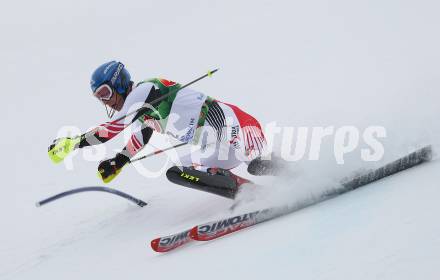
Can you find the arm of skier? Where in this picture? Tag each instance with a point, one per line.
(61, 147)
(110, 168)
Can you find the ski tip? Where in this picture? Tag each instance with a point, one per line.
(155, 245)
(37, 204)
(163, 248)
(171, 242)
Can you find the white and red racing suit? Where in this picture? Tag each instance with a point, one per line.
(228, 136)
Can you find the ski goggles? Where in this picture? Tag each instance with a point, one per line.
(104, 92)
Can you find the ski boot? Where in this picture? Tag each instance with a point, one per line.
(215, 180)
(261, 167)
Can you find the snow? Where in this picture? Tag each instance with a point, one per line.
(299, 63)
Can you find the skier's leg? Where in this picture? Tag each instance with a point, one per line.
(246, 134)
(238, 138)
(208, 169)
(254, 142)
(241, 139)
(230, 149)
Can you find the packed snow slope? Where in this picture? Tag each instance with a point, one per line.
(384, 231)
(297, 63)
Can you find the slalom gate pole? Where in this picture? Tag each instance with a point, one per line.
(133, 199)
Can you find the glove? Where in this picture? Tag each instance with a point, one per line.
(110, 168)
(61, 147)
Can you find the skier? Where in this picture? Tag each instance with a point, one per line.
(228, 136)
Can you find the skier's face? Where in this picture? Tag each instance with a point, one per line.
(108, 96)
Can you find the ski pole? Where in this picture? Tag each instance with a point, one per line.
(164, 150)
(158, 152)
(209, 74)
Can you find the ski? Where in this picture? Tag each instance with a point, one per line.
(222, 227)
(218, 228)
